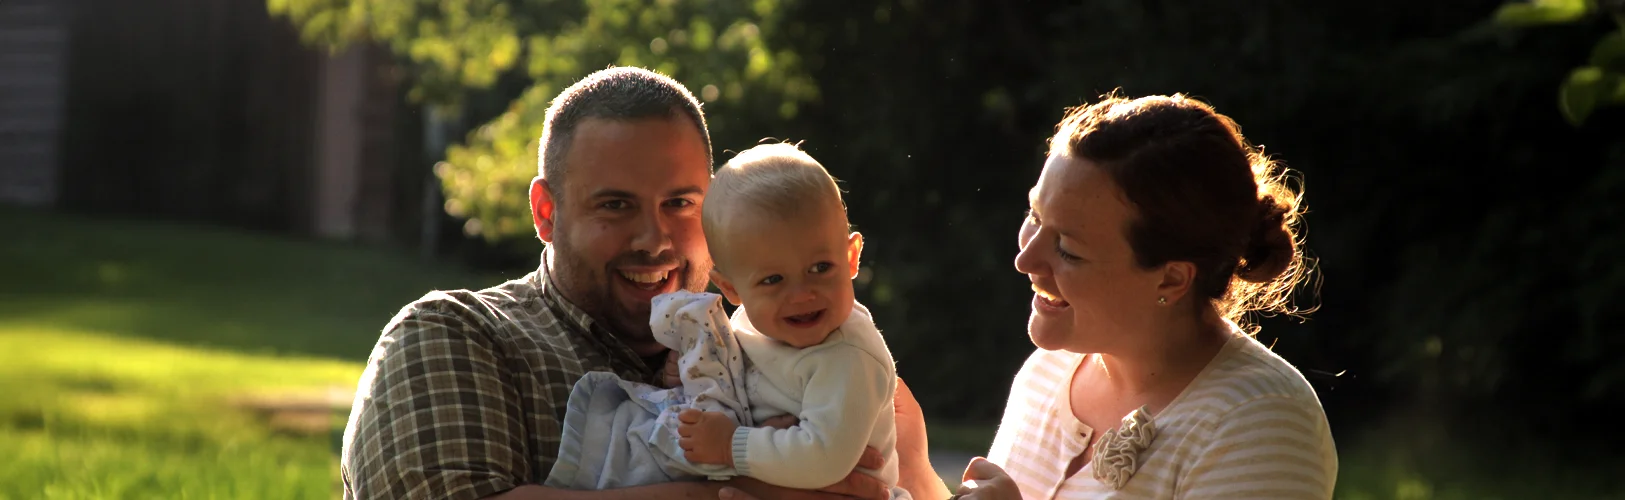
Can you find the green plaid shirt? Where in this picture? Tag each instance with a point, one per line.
(464, 393)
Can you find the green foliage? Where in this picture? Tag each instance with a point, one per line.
(1602, 81)
(1609, 54)
(451, 45)
(1539, 12)
(718, 49)
(934, 118)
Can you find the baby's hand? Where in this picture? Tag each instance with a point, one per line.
(706, 437)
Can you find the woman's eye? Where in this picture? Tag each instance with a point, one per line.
(1065, 254)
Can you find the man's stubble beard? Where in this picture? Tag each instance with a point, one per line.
(592, 290)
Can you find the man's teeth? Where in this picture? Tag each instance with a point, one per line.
(645, 278)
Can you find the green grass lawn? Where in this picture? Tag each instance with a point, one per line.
(143, 360)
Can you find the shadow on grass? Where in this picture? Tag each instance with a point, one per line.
(208, 286)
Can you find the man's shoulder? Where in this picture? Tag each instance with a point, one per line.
(493, 313)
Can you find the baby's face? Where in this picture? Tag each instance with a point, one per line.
(793, 276)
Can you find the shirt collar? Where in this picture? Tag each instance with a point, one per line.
(577, 320)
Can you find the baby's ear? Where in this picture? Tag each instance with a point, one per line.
(727, 287)
(854, 248)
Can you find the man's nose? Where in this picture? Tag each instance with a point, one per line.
(653, 234)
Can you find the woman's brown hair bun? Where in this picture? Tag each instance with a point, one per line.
(1270, 247)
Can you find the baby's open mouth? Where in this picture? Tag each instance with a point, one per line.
(807, 319)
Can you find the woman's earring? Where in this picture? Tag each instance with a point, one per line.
(1162, 300)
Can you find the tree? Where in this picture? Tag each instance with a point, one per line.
(454, 48)
(1601, 81)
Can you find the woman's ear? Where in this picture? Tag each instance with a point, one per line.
(1176, 280)
(854, 248)
(727, 287)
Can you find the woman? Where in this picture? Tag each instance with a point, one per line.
(1153, 229)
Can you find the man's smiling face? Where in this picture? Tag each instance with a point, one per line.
(627, 225)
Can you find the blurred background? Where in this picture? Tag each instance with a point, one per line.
(209, 208)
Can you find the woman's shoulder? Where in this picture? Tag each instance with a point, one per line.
(1246, 371)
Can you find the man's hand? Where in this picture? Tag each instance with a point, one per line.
(670, 377)
(784, 421)
(856, 485)
(706, 437)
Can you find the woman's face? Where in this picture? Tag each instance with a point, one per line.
(1089, 293)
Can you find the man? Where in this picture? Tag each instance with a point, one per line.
(464, 393)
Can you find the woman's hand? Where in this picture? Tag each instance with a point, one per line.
(985, 481)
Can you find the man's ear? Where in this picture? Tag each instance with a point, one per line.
(1176, 281)
(854, 248)
(542, 209)
(727, 287)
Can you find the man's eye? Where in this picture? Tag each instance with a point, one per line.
(771, 280)
(680, 203)
(820, 267)
(615, 205)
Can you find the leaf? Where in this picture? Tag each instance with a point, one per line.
(1542, 12)
(1609, 53)
(1579, 94)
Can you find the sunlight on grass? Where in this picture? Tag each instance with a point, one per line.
(95, 416)
(153, 360)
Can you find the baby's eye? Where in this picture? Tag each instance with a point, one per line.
(820, 268)
(771, 280)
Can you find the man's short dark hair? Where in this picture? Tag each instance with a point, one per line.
(619, 93)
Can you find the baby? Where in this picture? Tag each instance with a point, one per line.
(799, 344)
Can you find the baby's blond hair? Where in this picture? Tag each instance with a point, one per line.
(771, 180)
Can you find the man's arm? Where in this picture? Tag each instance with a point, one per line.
(685, 490)
(915, 473)
(679, 490)
(437, 417)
